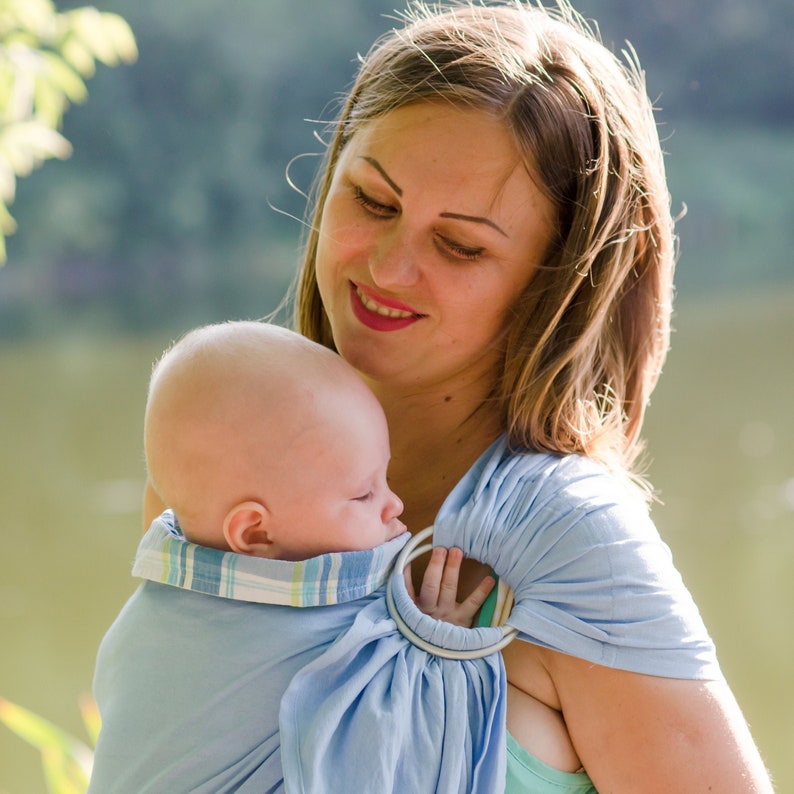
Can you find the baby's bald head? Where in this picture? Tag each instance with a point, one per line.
(227, 403)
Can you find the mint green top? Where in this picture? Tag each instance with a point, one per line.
(525, 773)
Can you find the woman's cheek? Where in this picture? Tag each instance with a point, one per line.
(340, 244)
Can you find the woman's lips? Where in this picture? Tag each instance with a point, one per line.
(379, 313)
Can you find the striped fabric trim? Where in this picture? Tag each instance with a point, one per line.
(165, 556)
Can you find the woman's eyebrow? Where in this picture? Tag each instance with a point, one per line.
(379, 168)
(454, 215)
(473, 219)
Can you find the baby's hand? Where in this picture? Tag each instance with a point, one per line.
(439, 591)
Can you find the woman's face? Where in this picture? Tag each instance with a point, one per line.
(431, 229)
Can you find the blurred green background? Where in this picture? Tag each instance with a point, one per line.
(175, 209)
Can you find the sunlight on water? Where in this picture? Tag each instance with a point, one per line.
(721, 433)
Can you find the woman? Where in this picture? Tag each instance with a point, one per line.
(492, 249)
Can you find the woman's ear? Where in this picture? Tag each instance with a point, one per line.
(245, 530)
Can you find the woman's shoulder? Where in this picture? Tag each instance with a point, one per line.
(591, 575)
(512, 484)
(553, 513)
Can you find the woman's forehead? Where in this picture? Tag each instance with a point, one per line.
(466, 156)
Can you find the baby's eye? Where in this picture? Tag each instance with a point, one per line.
(369, 204)
(364, 497)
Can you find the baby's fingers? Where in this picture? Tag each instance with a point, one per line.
(448, 597)
(432, 582)
(469, 607)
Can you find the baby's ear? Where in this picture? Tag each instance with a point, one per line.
(245, 530)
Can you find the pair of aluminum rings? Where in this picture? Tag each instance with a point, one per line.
(416, 547)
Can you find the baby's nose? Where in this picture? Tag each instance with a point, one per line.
(392, 508)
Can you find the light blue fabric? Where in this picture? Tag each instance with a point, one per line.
(190, 684)
(165, 556)
(591, 576)
(377, 714)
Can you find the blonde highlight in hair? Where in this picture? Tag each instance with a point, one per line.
(588, 337)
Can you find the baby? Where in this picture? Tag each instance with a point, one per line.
(269, 450)
(265, 443)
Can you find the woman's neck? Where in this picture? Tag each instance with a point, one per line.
(435, 439)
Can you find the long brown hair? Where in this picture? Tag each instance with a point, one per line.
(588, 336)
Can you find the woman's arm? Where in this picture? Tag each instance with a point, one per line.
(152, 505)
(642, 734)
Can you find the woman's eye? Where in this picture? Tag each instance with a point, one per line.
(369, 204)
(460, 251)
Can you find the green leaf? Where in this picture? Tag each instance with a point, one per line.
(35, 16)
(7, 223)
(49, 103)
(26, 145)
(107, 36)
(44, 56)
(77, 55)
(6, 84)
(21, 64)
(61, 76)
(46, 737)
(91, 718)
(120, 35)
(61, 773)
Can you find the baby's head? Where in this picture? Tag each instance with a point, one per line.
(265, 443)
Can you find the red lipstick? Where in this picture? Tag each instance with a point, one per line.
(373, 319)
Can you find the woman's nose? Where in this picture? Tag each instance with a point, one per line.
(393, 263)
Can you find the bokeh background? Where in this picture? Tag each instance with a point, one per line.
(176, 209)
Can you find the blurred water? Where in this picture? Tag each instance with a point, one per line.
(721, 436)
(71, 476)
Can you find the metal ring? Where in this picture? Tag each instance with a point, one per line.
(411, 551)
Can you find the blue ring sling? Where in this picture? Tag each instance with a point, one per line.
(590, 575)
